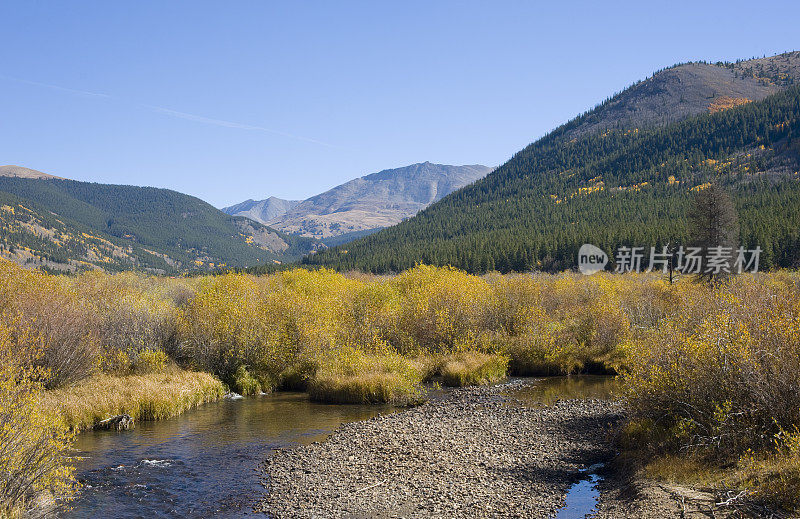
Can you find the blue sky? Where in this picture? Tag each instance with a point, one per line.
(236, 100)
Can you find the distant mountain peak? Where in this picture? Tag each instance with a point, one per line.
(366, 203)
(261, 210)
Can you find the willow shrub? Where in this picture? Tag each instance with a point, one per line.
(92, 322)
(34, 446)
(719, 374)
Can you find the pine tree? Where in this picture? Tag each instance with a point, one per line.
(713, 223)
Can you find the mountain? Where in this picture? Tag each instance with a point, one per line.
(66, 225)
(621, 174)
(20, 172)
(366, 204)
(261, 210)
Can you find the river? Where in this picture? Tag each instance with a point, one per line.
(206, 461)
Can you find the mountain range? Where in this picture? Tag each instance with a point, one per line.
(66, 225)
(362, 205)
(620, 174)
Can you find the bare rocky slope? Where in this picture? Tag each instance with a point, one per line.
(370, 202)
(20, 172)
(689, 89)
(262, 210)
(674, 94)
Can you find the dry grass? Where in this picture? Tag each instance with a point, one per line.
(473, 368)
(365, 388)
(356, 378)
(144, 397)
(770, 481)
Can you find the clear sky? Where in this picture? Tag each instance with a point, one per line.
(247, 99)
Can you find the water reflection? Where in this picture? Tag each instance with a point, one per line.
(550, 389)
(204, 462)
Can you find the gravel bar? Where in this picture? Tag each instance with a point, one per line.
(476, 453)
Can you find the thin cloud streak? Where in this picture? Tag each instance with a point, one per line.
(174, 113)
(59, 88)
(230, 124)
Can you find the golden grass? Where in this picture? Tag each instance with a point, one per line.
(357, 378)
(473, 368)
(365, 388)
(144, 397)
(685, 470)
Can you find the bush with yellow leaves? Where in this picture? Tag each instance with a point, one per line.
(34, 445)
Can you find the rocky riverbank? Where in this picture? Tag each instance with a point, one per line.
(476, 453)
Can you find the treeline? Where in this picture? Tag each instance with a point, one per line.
(612, 188)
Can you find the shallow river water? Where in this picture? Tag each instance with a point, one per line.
(202, 463)
(206, 461)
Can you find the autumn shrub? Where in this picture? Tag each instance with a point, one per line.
(716, 378)
(150, 361)
(131, 314)
(34, 447)
(727, 380)
(227, 325)
(442, 310)
(244, 383)
(562, 324)
(58, 323)
(267, 325)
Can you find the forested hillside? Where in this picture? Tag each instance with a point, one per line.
(614, 185)
(67, 225)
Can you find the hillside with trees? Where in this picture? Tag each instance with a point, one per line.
(65, 225)
(599, 180)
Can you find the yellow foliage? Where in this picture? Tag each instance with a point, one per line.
(725, 102)
(33, 446)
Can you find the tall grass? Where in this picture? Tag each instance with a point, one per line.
(153, 396)
(472, 369)
(357, 378)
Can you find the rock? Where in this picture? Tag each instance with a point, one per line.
(120, 422)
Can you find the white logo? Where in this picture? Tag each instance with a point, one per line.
(591, 259)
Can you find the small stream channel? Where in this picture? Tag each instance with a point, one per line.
(582, 498)
(206, 461)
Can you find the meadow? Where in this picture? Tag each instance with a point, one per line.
(710, 374)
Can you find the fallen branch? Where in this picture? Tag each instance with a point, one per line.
(371, 486)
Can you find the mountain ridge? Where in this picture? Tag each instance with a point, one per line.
(261, 210)
(370, 202)
(613, 181)
(21, 172)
